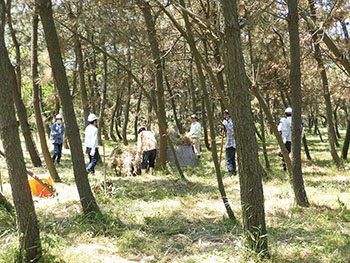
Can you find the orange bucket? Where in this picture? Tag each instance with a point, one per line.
(37, 188)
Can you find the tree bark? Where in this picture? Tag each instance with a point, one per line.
(81, 70)
(126, 114)
(295, 80)
(154, 45)
(36, 101)
(111, 125)
(326, 94)
(28, 229)
(22, 116)
(103, 100)
(203, 87)
(252, 197)
(345, 148)
(72, 131)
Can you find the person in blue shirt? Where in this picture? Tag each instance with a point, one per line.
(230, 144)
(57, 135)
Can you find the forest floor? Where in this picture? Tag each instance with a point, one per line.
(160, 218)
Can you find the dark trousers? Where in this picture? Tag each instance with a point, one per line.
(148, 159)
(57, 152)
(230, 159)
(289, 147)
(93, 159)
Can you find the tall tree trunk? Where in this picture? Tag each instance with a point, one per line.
(252, 196)
(221, 186)
(295, 79)
(103, 100)
(335, 113)
(326, 93)
(36, 103)
(126, 114)
(22, 116)
(81, 70)
(173, 106)
(136, 123)
(111, 125)
(17, 49)
(153, 41)
(27, 224)
(72, 131)
(205, 126)
(345, 148)
(16, 83)
(306, 148)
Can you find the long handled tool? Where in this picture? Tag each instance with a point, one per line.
(222, 144)
(104, 167)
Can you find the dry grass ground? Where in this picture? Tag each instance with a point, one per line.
(162, 219)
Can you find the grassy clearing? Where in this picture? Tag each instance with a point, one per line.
(162, 219)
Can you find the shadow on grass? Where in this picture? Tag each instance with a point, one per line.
(324, 242)
(174, 234)
(158, 189)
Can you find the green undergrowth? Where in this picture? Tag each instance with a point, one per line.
(161, 218)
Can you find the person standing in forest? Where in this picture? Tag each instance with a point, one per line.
(230, 147)
(147, 146)
(285, 128)
(57, 135)
(195, 135)
(91, 144)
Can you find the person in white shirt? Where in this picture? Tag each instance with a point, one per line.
(147, 147)
(91, 142)
(195, 135)
(285, 128)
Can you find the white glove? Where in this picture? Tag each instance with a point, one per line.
(92, 152)
(137, 158)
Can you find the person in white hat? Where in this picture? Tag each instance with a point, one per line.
(91, 142)
(57, 136)
(147, 147)
(285, 128)
(195, 135)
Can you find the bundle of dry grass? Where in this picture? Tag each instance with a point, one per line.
(177, 138)
(124, 162)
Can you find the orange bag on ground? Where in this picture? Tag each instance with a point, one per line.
(37, 188)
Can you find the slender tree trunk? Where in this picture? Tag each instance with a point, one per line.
(345, 148)
(295, 79)
(126, 114)
(306, 148)
(72, 131)
(221, 186)
(103, 100)
(252, 196)
(36, 103)
(326, 94)
(137, 115)
(27, 224)
(154, 45)
(335, 113)
(81, 70)
(22, 116)
(111, 126)
(173, 106)
(205, 126)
